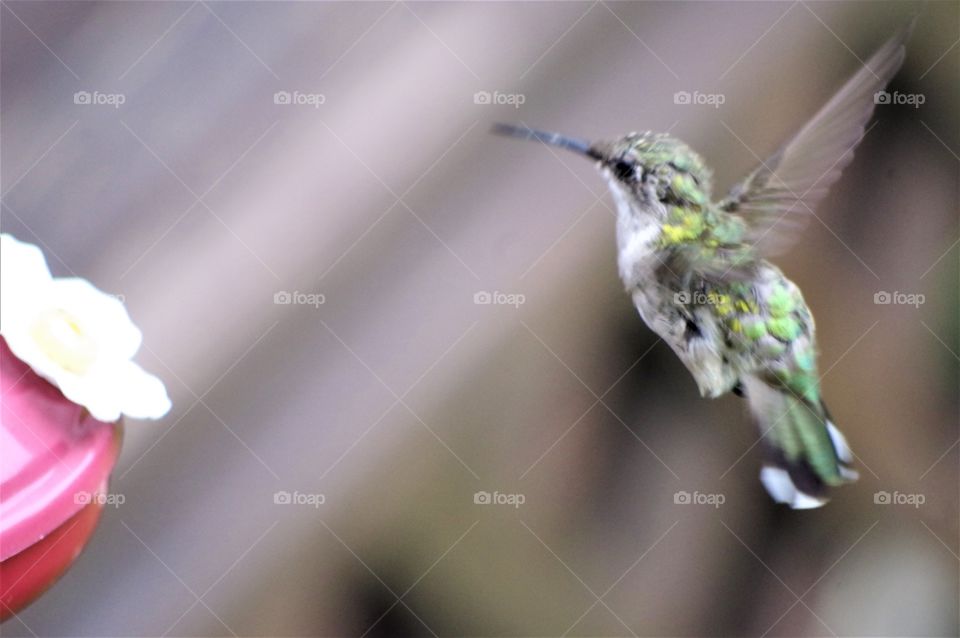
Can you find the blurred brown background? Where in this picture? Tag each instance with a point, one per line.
(397, 399)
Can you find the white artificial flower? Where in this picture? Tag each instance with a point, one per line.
(75, 336)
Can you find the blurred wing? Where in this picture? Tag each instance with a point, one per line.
(777, 198)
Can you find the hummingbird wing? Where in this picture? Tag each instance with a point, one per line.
(779, 196)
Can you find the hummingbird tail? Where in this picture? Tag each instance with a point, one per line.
(805, 452)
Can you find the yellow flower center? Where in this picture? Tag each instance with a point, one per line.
(61, 337)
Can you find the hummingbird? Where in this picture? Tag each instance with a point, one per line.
(699, 275)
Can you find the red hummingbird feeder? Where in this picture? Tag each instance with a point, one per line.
(55, 461)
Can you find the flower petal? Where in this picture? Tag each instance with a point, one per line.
(143, 395)
(97, 392)
(23, 278)
(103, 315)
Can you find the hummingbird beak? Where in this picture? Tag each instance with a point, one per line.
(578, 146)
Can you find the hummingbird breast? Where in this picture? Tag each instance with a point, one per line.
(639, 225)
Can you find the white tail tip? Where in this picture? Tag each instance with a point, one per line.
(781, 488)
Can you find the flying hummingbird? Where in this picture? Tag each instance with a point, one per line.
(698, 274)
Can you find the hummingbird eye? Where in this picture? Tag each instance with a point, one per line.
(624, 170)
